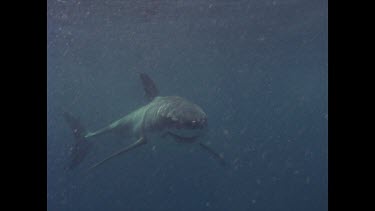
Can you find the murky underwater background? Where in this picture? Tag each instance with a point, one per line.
(258, 68)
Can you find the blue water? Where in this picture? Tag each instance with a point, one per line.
(259, 70)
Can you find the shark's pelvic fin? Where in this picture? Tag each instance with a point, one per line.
(136, 144)
(151, 91)
(81, 146)
(214, 154)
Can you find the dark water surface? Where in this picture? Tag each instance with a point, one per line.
(259, 70)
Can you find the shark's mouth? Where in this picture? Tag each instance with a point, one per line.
(185, 135)
(182, 138)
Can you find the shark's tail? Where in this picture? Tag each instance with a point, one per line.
(81, 146)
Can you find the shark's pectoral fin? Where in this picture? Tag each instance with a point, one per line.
(141, 141)
(214, 154)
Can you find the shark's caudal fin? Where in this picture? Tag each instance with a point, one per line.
(81, 146)
(151, 91)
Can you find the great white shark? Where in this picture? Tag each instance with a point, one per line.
(163, 116)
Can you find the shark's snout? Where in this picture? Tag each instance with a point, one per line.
(192, 119)
(200, 123)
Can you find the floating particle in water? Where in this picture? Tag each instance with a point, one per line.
(243, 130)
(249, 149)
(275, 179)
(264, 154)
(258, 181)
(308, 155)
(253, 201)
(226, 132)
(261, 38)
(236, 160)
(307, 180)
(208, 204)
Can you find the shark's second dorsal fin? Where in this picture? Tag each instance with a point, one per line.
(149, 86)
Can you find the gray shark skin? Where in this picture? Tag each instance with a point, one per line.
(172, 116)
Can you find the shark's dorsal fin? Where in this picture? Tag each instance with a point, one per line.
(149, 86)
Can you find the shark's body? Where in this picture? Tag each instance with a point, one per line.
(153, 117)
(171, 116)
